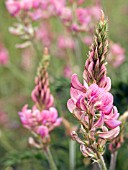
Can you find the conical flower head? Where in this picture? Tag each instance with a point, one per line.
(41, 94)
(95, 69)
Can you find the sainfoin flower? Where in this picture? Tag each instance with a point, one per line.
(39, 122)
(98, 103)
(43, 117)
(91, 103)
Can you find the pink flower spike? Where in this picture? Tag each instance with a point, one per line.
(76, 84)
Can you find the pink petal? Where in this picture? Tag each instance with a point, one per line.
(71, 105)
(50, 102)
(33, 95)
(58, 122)
(75, 94)
(108, 84)
(25, 108)
(110, 134)
(113, 115)
(90, 68)
(76, 84)
(112, 123)
(99, 122)
(43, 131)
(81, 103)
(53, 113)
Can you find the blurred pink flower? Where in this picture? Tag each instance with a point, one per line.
(88, 40)
(13, 7)
(95, 12)
(66, 42)
(66, 15)
(67, 72)
(79, 2)
(40, 122)
(116, 56)
(4, 56)
(83, 16)
(29, 4)
(42, 131)
(57, 6)
(44, 34)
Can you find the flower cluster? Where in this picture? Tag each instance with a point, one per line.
(75, 19)
(43, 117)
(91, 103)
(40, 122)
(16, 7)
(95, 102)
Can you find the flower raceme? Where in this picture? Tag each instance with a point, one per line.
(96, 102)
(40, 122)
(43, 117)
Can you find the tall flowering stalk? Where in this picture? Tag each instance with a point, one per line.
(91, 103)
(43, 117)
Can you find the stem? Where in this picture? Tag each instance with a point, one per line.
(101, 163)
(113, 161)
(72, 154)
(50, 159)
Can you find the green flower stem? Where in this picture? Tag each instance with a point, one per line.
(50, 159)
(113, 161)
(101, 163)
(72, 154)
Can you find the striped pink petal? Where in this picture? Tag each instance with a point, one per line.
(111, 134)
(71, 105)
(112, 123)
(76, 84)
